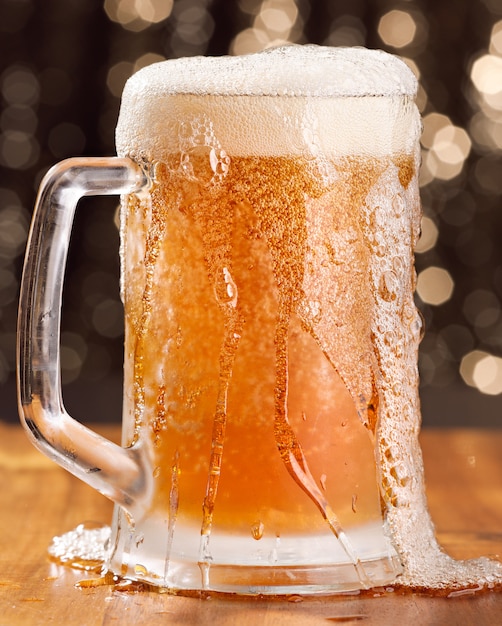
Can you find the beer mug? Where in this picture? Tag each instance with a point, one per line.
(269, 213)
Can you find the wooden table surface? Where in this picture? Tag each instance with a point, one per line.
(39, 500)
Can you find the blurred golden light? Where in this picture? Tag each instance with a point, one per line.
(107, 318)
(482, 370)
(481, 308)
(13, 230)
(429, 236)
(397, 28)
(431, 124)
(425, 175)
(20, 86)
(487, 174)
(19, 117)
(249, 40)
(452, 144)
(273, 25)
(251, 7)
(449, 149)
(117, 76)
(194, 24)
(347, 30)
(136, 15)
(279, 20)
(491, 104)
(486, 131)
(496, 39)
(18, 150)
(147, 59)
(486, 74)
(435, 285)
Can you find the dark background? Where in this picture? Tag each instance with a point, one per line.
(63, 64)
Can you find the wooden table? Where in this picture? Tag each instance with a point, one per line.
(39, 500)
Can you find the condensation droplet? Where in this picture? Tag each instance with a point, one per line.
(398, 265)
(140, 570)
(220, 162)
(179, 337)
(418, 325)
(322, 480)
(354, 503)
(156, 472)
(398, 205)
(225, 288)
(397, 389)
(257, 530)
(389, 338)
(196, 164)
(314, 310)
(388, 286)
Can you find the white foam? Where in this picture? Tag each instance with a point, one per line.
(288, 100)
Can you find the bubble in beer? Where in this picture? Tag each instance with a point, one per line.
(225, 288)
(257, 530)
(389, 286)
(322, 481)
(398, 205)
(202, 157)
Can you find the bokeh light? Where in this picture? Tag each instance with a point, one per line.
(483, 371)
(428, 237)
(397, 28)
(137, 15)
(486, 74)
(435, 285)
(447, 148)
(275, 22)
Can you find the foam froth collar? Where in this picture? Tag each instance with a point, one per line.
(293, 100)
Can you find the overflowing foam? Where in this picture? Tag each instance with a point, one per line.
(320, 104)
(293, 100)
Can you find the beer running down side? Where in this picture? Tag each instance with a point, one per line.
(271, 333)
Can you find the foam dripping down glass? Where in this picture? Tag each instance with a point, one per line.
(270, 209)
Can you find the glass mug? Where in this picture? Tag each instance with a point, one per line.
(269, 213)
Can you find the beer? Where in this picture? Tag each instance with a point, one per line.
(233, 307)
(260, 407)
(251, 370)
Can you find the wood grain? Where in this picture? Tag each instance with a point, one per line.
(39, 500)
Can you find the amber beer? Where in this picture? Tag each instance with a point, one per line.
(251, 277)
(234, 300)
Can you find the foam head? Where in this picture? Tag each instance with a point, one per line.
(286, 100)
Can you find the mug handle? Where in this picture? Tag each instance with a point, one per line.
(118, 473)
